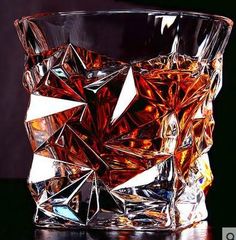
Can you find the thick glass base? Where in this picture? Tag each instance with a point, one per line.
(117, 210)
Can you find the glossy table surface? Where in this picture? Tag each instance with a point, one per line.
(17, 209)
(202, 231)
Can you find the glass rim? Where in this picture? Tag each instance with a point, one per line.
(180, 13)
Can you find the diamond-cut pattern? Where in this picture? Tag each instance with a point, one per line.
(120, 144)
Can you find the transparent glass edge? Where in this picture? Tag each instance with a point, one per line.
(216, 17)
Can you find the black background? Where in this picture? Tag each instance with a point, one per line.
(15, 151)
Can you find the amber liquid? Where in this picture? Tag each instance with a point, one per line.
(157, 117)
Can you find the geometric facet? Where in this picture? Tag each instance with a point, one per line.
(127, 95)
(41, 106)
(129, 148)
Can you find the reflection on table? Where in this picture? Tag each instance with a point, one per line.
(201, 232)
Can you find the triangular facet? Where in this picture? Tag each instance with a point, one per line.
(65, 212)
(55, 84)
(108, 207)
(41, 129)
(93, 207)
(71, 61)
(148, 141)
(72, 202)
(44, 217)
(193, 89)
(49, 176)
(96, 161)
(127, 95)
(102, 99)
(65, 145)
(41, 106)
(80, 199)
(154, 183)
(67, 193)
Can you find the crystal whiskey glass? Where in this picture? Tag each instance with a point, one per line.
(120, 117)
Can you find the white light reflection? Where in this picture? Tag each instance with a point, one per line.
(41, 106)
(166, 22)
(127, 95)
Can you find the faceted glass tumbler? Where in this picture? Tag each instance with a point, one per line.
(120, 116)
